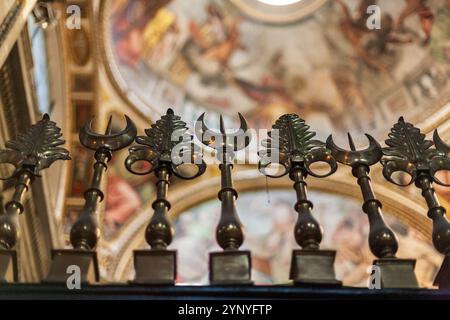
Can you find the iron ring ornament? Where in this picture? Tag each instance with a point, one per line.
(167, 142)
(409, 152)
(290, 144)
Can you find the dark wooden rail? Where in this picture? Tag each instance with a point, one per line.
(118, 291)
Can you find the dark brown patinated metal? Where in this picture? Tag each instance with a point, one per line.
(409, 152)
(291, 146)
(85, 233)
(382, 240)
(32, 152)
(166, 147)
(231, 266)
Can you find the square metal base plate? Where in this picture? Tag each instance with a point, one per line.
(230, 268)
(313, 267)
(155, 267)
(8, 266)
(442, 279)
(63, 259)
(397, 273)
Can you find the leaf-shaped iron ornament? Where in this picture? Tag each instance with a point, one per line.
(408, 151)
(32, 151)
(35, 150)
(292, 146)
(167, 141)
(167, 148)
(291, 143)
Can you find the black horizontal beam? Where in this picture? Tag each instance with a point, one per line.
(125, 292)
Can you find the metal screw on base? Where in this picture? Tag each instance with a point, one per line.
(395, 273)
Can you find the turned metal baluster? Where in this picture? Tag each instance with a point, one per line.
(30, 153)
(165, 148)
(229, 232)
(307, 231)
(159, 232)
(9, 225)
(436, 212)
(382, 240)
(231, 266)
(395, 273)
(409, 152)
(86, 232)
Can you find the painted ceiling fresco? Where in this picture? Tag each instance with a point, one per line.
(269, 221)
(328, 67)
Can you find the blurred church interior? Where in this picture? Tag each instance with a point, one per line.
(78, 59)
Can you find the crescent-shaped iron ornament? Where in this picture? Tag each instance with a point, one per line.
(440, 144)
(111, 141)
(237, 140)
(369, 156)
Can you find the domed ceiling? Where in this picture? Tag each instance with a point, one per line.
(314, 58)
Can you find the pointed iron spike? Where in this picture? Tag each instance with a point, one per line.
(109, 126)
(201, 119)
(88, 125)
(373, 144)
(332, 146)
(170, 111)
(351, 142)
(201, 129)
(439, 143)
(243, 126)
(401, 119)
(222, 126)
(46, 117)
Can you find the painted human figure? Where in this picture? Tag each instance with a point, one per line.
(419, 8)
